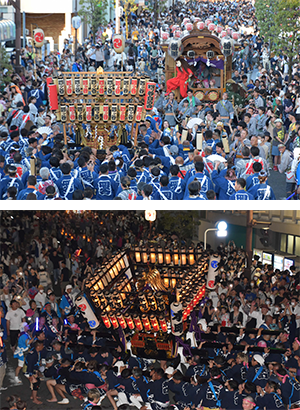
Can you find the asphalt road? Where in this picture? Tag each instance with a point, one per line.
(24, 392)
(277, 181)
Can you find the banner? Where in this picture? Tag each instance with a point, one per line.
(211, 275)
(150, 96)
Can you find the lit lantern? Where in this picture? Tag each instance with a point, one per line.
(200, 25)
(146, 323)
(118, 265)
(137, 322)
(143, 302)
(223, 33)
(137, 256)
(191, 256)
(129, 321)
(166, 282)
(113, 320)
(160, 301)
(165, 36)
(144, 256)
(121, 321)
(106, 321)
(115, 270)
(219, 29)
(211, 27)
(160, 256)
(235, 35)
(207, 22)
(168, 257)
(150, 216)
(122, 262)
(163, 324)
(189, 26)
(151, 301)
(119, 43)
(154, 323)
(173, 283)
(175, 257)
(183, 257)
(177, 34)
(152, 255)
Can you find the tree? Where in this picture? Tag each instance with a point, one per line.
(279, 23)
(5, 64)
(157, 7)
(182, 224)
(93, 12)
(129, 7)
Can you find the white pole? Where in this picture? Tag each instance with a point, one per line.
(205, 234)
(117, 17)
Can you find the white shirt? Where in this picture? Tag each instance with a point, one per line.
(15, 318)
(258, 316)
(40, 299)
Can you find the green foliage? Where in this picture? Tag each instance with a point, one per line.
(4, 64)
(93, 12)
(157, 7)
(181, 223)
(279, 23)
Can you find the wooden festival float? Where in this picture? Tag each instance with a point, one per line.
(203, 45)
(148, 296)
(100, 104)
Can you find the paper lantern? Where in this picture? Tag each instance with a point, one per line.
(146, 323)
(119, 43)
(235, 35)
(175, 48)
(189, 26)
(113, 320)
(163, 324)
(223, 33)
(137, 322)
(106, 321)
(121, 321)
(176, 318)
(129, 321)
(177, 33)
(154, 323)
(148, 105)
(213, 265)
(186, 20)
(207, 22)
(175, 27)
(211, 27)
(38, 37)
(165, 36)
(200, 25)
(150, 216)
(53, 100)
(219, 29)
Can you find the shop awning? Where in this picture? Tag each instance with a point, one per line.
(7, 30)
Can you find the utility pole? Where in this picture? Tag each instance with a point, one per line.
(249, 235)
(76, 40)
(18, 19)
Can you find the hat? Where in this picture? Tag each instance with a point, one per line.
(170, 370)
(220, 124)
(174, 150)
(40, 287)
(50, 359)
(203, 323)
(281, 146)
(29, 151)
(261, 343)
(69, 287)
(259, 359)
(41, 267)
(278, 120)
(263, 174)
(23, 325)
(247, 143)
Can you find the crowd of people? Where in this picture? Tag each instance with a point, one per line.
(243, 352)
(263, 135)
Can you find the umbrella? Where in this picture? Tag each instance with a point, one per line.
(194, 121)
(216, 157)
(44, 130)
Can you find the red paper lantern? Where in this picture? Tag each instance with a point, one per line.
(113, 320)
(53, 100)
(235, 35)
(106, 321)
(146, 323)
(211, 27)
(189, 26)
(38, 37)
(137, 322)
(200, 25)
(164, 35)
(119, 43)
(186, 20)
(129, 321)
(175, 27)
(219, 29)
(207, 22)
(223, 33)
(154, 323)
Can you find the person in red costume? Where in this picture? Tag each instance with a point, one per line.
(180, 81)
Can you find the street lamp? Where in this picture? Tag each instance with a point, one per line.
(151, 217)
(221, 229)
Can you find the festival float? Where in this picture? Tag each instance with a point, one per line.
(148, 296)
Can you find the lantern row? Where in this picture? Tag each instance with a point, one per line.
(104, 112)
(108, 86)
(135, 322)
(176, 257)
(200, 25)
